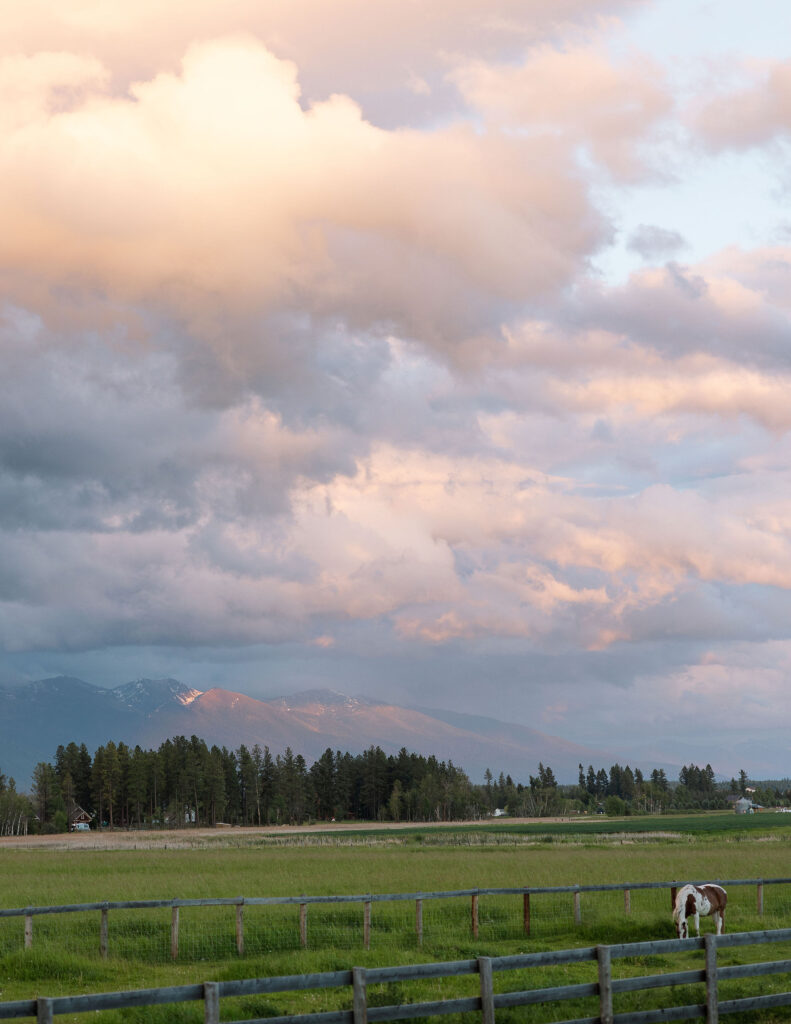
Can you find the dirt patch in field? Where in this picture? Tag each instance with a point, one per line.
(122, 839)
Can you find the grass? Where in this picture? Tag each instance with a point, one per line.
(65, 959)
(715, 823)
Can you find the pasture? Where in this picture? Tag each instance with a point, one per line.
(65, 956)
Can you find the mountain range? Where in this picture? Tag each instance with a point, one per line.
(37, 717)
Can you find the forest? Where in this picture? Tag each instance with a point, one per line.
(185, 783)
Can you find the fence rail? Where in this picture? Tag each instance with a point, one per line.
(45, 1009)
(367, 900)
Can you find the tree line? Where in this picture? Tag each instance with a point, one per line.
(184, 782)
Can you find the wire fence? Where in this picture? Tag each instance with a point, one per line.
(707, 990)
(158, 931)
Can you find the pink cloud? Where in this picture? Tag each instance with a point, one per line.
(349, 46)
(214, 186)
(577, 92)
(751, 116)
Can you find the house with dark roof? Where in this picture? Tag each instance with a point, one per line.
(80, 820)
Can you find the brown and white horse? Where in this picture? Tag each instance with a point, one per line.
(696, 901)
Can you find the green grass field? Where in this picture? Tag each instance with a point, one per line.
(65, 955)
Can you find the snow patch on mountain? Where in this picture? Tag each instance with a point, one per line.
(149, 695)
(322, 698)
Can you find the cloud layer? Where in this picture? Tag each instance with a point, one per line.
(308, 364)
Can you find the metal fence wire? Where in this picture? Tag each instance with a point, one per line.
(192, 930)
(505, 985)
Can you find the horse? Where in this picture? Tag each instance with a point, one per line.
(696, 901)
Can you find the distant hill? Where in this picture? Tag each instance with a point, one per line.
(37, 717)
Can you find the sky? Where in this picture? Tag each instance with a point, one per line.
(433, 352)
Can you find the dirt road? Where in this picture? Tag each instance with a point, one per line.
(188, 838)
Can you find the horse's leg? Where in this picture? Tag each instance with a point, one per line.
(696, 919)
(720, 918)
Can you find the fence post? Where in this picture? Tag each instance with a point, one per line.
(303, 925)
(487, 989)
(240, 926)
(44, 1013)
(712, 1005)
(103, 932)
(526, 912)
(605, 984)
(577, 910)
(419, 921)
(367, 924)
(28, 931)
(627, 901)
(359, 996)
(760, 899)
(174, 933)
(211, 1002)
(474, 914)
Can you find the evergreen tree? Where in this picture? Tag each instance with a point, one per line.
(137, 783)
(215, 776)
(248, 784)
(111, 779)
(373, 786)
(124, 758)
(45, 791)
(590, 781)
(97, 784)
(322, 774)
(267, 785)
(344, 785)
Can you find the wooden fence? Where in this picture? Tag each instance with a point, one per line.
(45, 1009)
(303, 902)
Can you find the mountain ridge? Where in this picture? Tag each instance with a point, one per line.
(37, 717)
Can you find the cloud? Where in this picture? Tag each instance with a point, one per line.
(213, 187)
(243, 523)
(310, 373)
(576, 92)
(376, 54)
(750, 116)
(713, 308)
(445, 548)
(652, 242)
(737, 688)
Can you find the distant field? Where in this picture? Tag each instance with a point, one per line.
(724, 824)
(232, 863)
(721, 823)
